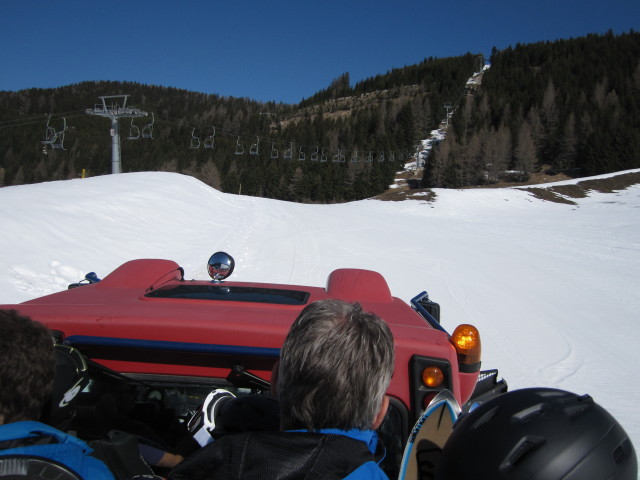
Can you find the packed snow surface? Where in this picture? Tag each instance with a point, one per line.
(553, 288)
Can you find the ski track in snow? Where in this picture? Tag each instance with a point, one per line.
(558, 371)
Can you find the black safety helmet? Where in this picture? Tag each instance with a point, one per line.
(538, 434)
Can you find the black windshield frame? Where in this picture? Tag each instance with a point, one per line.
(221, 292)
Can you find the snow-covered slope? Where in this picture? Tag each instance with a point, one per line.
(552, 287)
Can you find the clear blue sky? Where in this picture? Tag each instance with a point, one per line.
(271, 50)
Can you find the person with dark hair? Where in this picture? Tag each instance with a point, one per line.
(27, 367)
(538, 434)
(334, 369)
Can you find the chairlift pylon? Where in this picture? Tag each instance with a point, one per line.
(195, 141)
(210, 141)
(147, 130)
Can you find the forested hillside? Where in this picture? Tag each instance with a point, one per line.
(343, 143)
(569, 106)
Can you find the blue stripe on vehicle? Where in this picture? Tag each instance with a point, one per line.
(86, 340)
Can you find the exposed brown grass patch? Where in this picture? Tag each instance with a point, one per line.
(572, 191)
(612, 184)
(559, 193)
(398, 194)
(548, 195)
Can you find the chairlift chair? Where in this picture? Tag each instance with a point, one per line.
(210, 141)
(59, 136)
(301, 156)
(288, 153)
(134, 131)
(53, 137)
(354, 157)
(147, 130)
(314, 155)
(253, 149)
(239, 147)
(369, 158)
(323, 157)
(195, 141)
(49, 134)
(381, 157)
(274, 152)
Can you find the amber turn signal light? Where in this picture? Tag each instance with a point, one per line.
(466, 341)
(432, 377)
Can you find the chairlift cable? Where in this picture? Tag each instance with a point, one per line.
(277, 146)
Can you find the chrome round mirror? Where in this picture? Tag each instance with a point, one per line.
(220, 266)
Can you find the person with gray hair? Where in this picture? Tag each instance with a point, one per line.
(336, 364)
(334, 369)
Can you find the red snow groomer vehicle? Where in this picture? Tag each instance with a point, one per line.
(165, 342)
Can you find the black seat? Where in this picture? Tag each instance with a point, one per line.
(70, 379)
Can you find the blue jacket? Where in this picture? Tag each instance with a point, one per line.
(18, 439)
(368, 469)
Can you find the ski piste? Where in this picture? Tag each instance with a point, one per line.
(428, 436)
